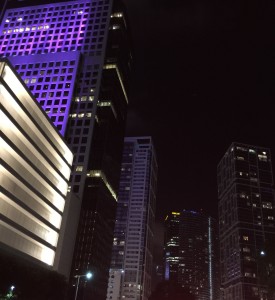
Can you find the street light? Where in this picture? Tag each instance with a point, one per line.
(88, 276)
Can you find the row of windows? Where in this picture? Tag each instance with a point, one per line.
(67, 35)
(52, 8)
(53, 91)
(21, 52)
(69, 30)
(34, 19)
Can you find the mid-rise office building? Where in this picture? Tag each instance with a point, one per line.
(191, 253)
(132, 261)
(246, 221)
(60, 50)
(34, 173)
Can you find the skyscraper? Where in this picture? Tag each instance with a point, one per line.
(131, 267)
(191, 253)
(172, 250)
(59, 49)
(246, 220)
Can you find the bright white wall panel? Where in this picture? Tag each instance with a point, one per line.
(17, 240)
(28, 197)
(21, 217)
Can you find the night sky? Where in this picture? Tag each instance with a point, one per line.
(204, 77)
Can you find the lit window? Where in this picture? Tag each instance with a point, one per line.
(245, 238)
(240, 158)
(262, 157)
(267, 205)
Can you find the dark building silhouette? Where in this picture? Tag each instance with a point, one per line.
(191, 253)
(80, 78)
(246, 221)
(170, 290)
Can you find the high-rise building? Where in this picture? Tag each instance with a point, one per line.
(246, 221)
(132, 261)
(35, 167)
(60, 50)
(191, 253)
(172, 251)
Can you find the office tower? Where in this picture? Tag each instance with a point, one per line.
(59, 49)
(34, 173)
(191, 254)
(246, 220)
(172, 251)
(131, 267)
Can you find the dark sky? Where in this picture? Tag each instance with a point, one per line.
(204, 77)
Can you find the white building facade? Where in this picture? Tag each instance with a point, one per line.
(132, 261)
(34, 172)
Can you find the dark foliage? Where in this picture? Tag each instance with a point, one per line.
(167, 290)
(32, 282)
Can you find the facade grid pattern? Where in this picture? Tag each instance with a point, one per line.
(131, 268)
(246, 220)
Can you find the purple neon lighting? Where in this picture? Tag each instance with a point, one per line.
(62, 32)
(28, 35)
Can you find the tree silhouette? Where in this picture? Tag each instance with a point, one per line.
(31, 281)
(169, 290)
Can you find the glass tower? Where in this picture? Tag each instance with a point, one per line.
(171, 259)
(246, 221)
(191, 253)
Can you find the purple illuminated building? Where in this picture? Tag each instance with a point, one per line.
(60, 49)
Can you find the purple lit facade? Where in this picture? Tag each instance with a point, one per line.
(52, 89)
(44, 43)
(59, 49)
